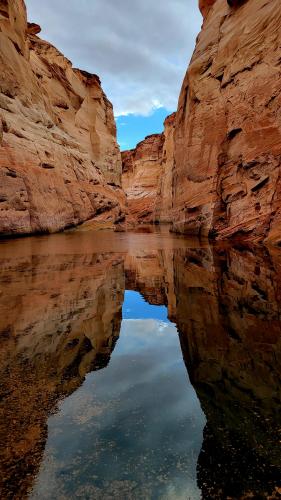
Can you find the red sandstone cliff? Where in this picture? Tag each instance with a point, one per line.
(228, 128)
(59, 160)
(147, 176)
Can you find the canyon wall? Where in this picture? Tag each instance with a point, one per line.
(215, 172)
(59, 160)
(147, 177)
(164, 200)
(226, 180)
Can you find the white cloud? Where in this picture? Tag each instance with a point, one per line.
(139, 48)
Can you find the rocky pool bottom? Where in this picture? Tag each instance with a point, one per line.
(139, 366)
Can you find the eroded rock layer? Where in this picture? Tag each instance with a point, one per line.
(147, 176)
(228, 127)
(59, 160)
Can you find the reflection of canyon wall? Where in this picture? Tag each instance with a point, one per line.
(225, 304)
(147, 176)
(228, 128)
(151, 272)
(59, 160)
(144, 273)
(67, 311)
(228, 315)
(59, 320)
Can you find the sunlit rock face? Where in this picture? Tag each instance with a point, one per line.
(228, 316)
(205, 6)
(59, 160)
(164, 201)
(228, 129)
(147, 176)
(65, 323)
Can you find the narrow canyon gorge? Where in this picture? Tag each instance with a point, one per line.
(214, 171)
(142, 361)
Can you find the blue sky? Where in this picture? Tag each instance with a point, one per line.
(140, 49)
(135, 307)
(134, 128)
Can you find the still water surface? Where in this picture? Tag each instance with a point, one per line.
(139, 366)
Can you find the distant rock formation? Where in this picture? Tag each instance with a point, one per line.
(147, 177)
(228, 129)
(59, 160)
(140, 179)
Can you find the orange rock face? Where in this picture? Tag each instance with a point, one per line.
(164, 202)
(59, 160)
(147, 176)
(228, 128)
(205, 6)
(142, 168)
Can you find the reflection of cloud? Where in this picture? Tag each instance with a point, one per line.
(162, 327)
(137, 420)
(144, 328)
(139, 48)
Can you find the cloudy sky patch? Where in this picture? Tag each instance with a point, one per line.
(139, 48)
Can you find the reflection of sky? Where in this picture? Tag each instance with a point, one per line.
(132, 430)
(135, 307)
